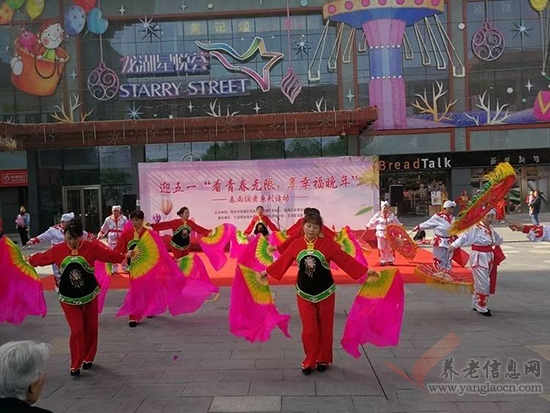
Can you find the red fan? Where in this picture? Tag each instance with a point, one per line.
(499, 182)
(400, 241)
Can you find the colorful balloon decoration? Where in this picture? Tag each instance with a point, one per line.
(87, 5)
(15, 4)
(6, 15)
(75, 19)
(538, 5)
(96, 23)
(35, 8)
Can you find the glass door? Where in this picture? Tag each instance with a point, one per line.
(85, 202)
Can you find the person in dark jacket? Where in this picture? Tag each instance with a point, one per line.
(534, 206)
(22, 376)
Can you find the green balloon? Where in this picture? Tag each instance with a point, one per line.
(15, 4)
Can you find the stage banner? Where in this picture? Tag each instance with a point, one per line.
(344, 189)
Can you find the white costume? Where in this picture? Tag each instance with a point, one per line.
(54, 235)
(537, 233)
(380, 221)
(113, 227)
(482, 239)
(441, 223)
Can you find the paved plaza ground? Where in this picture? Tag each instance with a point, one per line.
(192, 364)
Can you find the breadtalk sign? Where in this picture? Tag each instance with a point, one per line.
(11, 178)
(415, 164)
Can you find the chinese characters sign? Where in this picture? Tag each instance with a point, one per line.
(14, 177)
(178, 65)
(230, 191)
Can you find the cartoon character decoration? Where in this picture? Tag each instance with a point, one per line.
(39, 61)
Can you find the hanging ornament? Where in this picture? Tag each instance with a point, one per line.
(291, 85)
(488, 43)
(538, 5)
(15, 4)
(103, 82)
(35, 8)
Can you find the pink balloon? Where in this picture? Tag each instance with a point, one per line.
(87, 5)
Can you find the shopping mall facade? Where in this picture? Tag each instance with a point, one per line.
(415, 82)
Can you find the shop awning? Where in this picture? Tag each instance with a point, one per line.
(200, 129)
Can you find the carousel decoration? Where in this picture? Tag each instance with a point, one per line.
(382, 25)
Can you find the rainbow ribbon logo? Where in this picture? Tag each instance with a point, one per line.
(258, 45)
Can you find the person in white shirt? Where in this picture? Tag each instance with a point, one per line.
(485, 257)
(112, 228)
(380, 221)
(440, 223)
(54, 235)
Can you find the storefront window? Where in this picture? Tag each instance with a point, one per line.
(335, 146)
(303, 148)
(267, 149)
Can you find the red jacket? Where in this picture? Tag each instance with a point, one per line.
(329, 248)
(91, 251)
(257, 219)
(177, 223)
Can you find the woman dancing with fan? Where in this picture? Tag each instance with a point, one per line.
(260, 224)
(485, 257)
(315, 288)
(181, 232)
(441, 223)
(380, 221)
(79, 289)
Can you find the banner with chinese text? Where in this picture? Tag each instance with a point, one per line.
(344, 189)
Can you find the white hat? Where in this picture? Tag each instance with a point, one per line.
(116, 208)
(384, 204)
(492, 212)
(449, 204)
(67, 217)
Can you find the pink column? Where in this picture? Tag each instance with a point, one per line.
(387, 86)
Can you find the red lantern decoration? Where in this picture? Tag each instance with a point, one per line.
(87, 5)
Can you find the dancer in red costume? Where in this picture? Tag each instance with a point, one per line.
(535, 233)
(315, 288)
(78, 289)
(181, 230)
(127, 242)
(260, 224)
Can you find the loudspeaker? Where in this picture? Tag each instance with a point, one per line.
(396, 195)
(129, 203)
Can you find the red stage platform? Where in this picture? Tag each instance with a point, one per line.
(224, 277)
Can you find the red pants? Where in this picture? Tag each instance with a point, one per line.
(180, 253)
(83, 321)
(317, 330)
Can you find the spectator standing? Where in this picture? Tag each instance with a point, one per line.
(23, 224)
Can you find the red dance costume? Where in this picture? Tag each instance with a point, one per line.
(315, 291)
(181, 238)
(78, 290)
(297, 230)
(264, 219)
